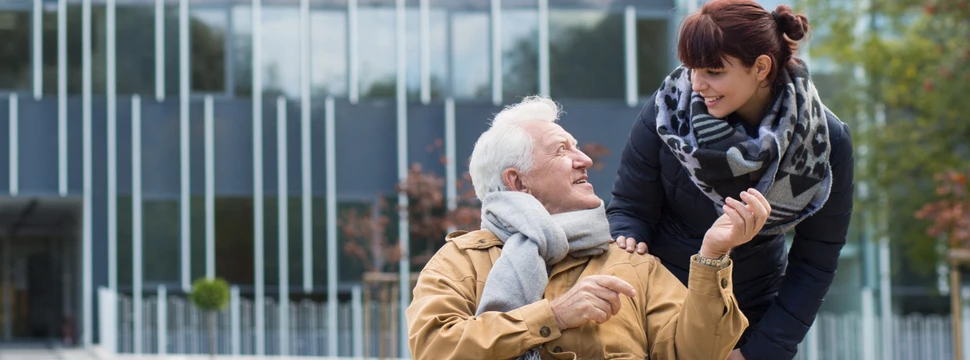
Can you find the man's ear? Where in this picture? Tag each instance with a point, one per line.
(512, 178)
(762, 67)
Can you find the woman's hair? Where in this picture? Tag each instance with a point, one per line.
(742, 29)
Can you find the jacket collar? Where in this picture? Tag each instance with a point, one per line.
(478, 239)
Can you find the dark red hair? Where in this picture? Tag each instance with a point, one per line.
(742, 29)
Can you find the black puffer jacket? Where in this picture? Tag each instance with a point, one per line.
(655, 201)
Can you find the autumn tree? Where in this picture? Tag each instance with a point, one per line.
(895, 71)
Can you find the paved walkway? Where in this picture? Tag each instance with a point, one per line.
(41, 351)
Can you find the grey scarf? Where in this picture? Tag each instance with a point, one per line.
(534, 242)
(789, 158)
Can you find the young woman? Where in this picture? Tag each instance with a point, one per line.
(741, 113)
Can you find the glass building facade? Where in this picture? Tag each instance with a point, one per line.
(152, 143)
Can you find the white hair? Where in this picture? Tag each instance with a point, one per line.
(506, 144)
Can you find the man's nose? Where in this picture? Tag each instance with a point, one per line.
(581, 160)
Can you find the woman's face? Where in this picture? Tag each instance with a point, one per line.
(728, 89)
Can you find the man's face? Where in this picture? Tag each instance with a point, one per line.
(558, 175)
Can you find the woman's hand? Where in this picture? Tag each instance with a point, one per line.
(630, 245)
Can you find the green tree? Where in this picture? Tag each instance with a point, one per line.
(210, 295)
(912, 54)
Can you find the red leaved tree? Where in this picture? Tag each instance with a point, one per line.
(950, 215)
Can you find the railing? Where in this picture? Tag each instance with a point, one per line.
(833, 336)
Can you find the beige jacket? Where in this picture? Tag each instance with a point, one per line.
(664, 321)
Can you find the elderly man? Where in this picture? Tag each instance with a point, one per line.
(540, 279)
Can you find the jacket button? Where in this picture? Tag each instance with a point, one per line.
(724, 283)
(557, 349)
(544, 331)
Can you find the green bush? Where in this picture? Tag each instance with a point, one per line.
(210, 294)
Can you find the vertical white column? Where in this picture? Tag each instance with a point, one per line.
(161, 322)
(136, 217)
(451, 167)
(353, 64)
(88, 265)
(305, 146)
(885, 299)
(210, 191)
(62, 97)
(14, 146)
(184, 199)
(425, 25)
(234, 320)
(159, 50)
(868, 325)
(402, 171)
(37, 26)
(112, 99)
(496, 51)
(331, 197)
(544, 47)
(257, 56)
(630, 50)
(283, 226)
(357, 314)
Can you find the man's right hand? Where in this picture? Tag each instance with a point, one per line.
(595, 297)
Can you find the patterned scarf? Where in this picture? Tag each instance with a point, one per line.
(789, 158)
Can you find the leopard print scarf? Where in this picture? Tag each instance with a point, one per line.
(789, 159)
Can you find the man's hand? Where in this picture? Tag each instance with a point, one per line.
(735, 355)
(630, 245)
(595, 297)
(739, 224)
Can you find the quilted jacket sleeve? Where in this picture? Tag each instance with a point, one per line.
(638, 196)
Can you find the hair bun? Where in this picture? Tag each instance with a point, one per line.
(795, 26)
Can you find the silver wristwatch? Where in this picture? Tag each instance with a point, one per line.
(716, 262)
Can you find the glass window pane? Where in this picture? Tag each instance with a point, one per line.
(654, 45)
(328, 57)
(234, 239)
(242, 49)
(281, 50)
(520, 51)
(319, 224)
(125, 245)
(208, 29)
(437, 41)
(135, 42)
(470, 61)
(271, 241)
(197, 237)
(161, 247)
(377, 60)
(15, 51)
(586, 58)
